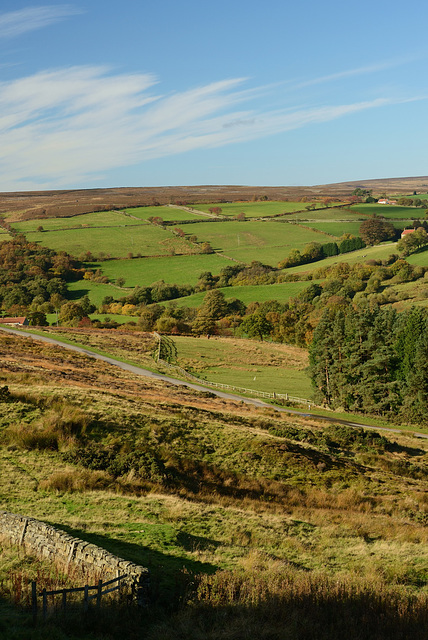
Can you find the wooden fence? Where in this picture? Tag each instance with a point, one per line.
(65, 602)
(228, 387)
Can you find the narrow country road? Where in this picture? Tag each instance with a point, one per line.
(221, 394)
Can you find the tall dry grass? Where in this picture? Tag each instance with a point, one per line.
(281, 602)
(58, 427)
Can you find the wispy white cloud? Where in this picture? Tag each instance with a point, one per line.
(16, 23)
(62, 127)
(358, 71)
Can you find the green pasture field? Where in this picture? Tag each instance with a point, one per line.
(325, 215)
(420, 258)
(263, 366)
(96, 291)
(166, 213)
(282, 292)
(421, 196)
(253, 209)
(51, 318)
(171, 269)
(378, 252)
(269, 241)
(96, 219)
(389, 211)
(335, 229)
(145, 239)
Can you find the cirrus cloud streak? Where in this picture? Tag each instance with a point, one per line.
(16, 23)
(66, 126)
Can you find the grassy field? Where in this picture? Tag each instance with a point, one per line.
(97, 219)
(330, 215)
(253, 209)
(389, 211)
(244, 363)
(420, 258)
(421, 196)
(377, 252)
(141, 239)
(335, 229)
(268, 242)
(172, 269)
(282, 291)
(250, 505)
(166, 213)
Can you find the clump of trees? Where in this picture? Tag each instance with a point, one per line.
(375, 230)
(413, 242)
(373, 361)
(33, 278)
(315, 251)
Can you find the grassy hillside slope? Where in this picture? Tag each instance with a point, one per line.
(244, 516)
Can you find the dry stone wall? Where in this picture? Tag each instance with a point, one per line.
(46, 542)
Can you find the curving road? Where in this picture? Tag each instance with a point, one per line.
(221, 394)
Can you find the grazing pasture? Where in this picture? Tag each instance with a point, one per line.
(378, 252)
(171, 269)
(326, 215)
(263, 366)
(166, 213)
(87, 220)
(389, 211)
(96, 291)
(254, 209)
(334, 228)
(144, 239)
(282, 292)
(266, 241)
(420, 258)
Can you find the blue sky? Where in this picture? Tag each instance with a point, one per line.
(168, 92)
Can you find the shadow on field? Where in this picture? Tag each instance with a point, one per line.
(77, 294)
(170, 575)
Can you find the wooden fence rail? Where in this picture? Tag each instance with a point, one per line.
(64, 592)
(228, 387)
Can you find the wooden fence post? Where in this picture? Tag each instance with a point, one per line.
(34, 600)
(99, 593)
(86, 598)
(64, 600)
(45, 603)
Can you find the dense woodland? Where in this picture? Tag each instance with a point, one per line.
(373, 360)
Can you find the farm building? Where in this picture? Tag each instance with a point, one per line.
(15, 322)
(406, 232)
(386, 201)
